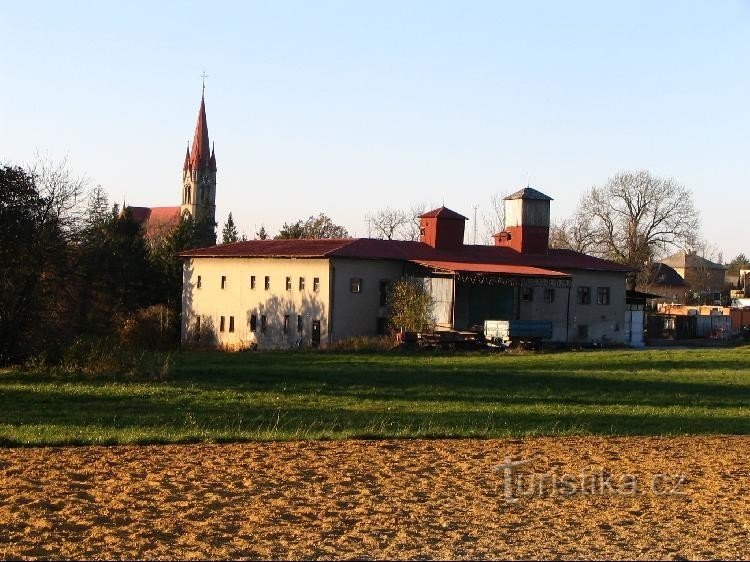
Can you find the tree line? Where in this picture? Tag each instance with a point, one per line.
(73, 265)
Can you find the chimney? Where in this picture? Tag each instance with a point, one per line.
(526, 222)
(442, 229)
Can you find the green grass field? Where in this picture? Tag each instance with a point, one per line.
(304, 395)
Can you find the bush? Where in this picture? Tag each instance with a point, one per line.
(153, 328)
(410, 305)
(364, 344)
(96, 356)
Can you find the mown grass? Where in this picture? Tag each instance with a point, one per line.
(217, 397)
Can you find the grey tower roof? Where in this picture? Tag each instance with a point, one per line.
(529, 193)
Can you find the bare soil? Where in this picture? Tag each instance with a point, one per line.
(381, 499)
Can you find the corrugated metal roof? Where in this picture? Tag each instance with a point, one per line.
(369, 248)
(503, 269)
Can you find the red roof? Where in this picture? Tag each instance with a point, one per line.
(519, 270)
(443, 213)
(200, 156)
(156, 220)
(369, 248)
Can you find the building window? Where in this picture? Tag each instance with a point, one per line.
(602, 295)
(316, 284)
(223, 281)
(252, 281)
(549, 295)
(198, 284)
(355, 284)
(231, 324)
(583, 295)
(286, 323)
(267, 284)
(198, 326)
(383, 291)
(288, 283)
(263, 323)
(527, 294)
(301, 283)
(221, 324)
(299, 323)
(253, 322)
(583, 331)
(382, 326)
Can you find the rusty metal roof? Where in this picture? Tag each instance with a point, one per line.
(369, 248)
(442, 213)
(497, 268)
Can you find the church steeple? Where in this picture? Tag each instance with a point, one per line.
(199, 172)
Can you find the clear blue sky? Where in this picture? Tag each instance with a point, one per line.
(345, 107)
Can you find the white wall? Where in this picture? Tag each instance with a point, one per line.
(237, 299)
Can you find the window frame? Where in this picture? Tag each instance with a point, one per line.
(549, 295)
(316, 284)
(253, 322)
(603, 296)
(223, 282)
(252, 282)
(583, 295)
(355, 285)
(231, 324)
(221, 323)
(267, 283)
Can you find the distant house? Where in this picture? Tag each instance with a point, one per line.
(703, 277)
(665, 282)
(284, 293)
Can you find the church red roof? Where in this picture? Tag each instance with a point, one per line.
(156, 221)
(200, 156)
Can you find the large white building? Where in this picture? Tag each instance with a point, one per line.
(285, 293)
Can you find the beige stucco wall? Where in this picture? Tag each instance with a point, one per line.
(555, 312)
(237, 299)
(605, 322)
(356, 314)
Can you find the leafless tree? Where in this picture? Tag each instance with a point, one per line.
(388, 223)
(494, 218)
(573, 233)
(396, 224)
(65, 194)
(635, 218)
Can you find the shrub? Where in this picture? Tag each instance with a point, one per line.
(410, 305)
(364, 344)
(153, 328)
(96, 355)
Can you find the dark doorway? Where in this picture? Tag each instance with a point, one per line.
(316, 333)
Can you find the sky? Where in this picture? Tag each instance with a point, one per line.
(348, 107)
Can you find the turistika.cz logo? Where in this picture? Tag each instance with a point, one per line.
(520, 482)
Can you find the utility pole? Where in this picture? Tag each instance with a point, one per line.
(475, 224)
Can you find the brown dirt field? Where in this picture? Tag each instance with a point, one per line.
(377, 499)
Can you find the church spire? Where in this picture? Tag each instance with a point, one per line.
(200, 156)
(186, 165)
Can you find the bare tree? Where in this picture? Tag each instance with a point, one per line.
(573, 233)
(494, 218)
(64, 193)
(388, 223)
(636, 217)
(397, 224)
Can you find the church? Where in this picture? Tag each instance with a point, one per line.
(198, 186)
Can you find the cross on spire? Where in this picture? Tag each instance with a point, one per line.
(204, 76)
